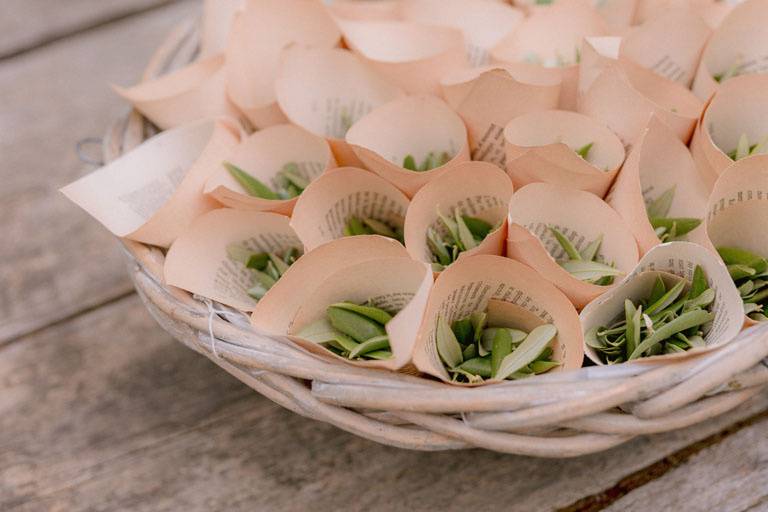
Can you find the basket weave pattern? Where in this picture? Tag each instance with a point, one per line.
(559, 415)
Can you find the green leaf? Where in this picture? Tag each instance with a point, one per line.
(685, 321)
(379, 228)
(658, 291)
(370, 345)
(450, 225)
(478, 319)
(465, 235)
(355, 227)
(463, 330)
(736, 256)
(478, 227)
(322, 332)
(237, 252)
(409, 163)
(479, 366)
(742, 148)
(250, 184)
(527, 351)
(374, 313)
(589, 270)
(279, 264)
(740, 271)
(448, 347)
(590, 251)
(437, 247)
(699, 283)
(379, 354)
(666, 299)
(632, 316)
(583, 151)
(359, 327)
(660, 206)
(566, 244)
(469, 352)
(502, 347)
(677, 226)
(543, 366)
(490, 333)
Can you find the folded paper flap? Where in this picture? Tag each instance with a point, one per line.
(276, 310)
(174, 83)
(199, 263)
(356, 10)
(470, 283)
(216, 23)
(326, 90)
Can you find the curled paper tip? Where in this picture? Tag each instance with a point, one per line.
(216, 22)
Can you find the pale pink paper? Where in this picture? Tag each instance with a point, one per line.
(739, 107)
(483, 22)
(411, 125)
(259, 35)
(274, 313)
(198, 262)
(183, 96)
(357, 10)
(324, 207)
(478, 189)
(648, 10)
(216, 23)
(471, 283)
(540, 147)
(582, 218)
(394, 284)
(659, 161)
(738, 208)
(327, 91)
(262, 155)
(680, 259)
(154, 192)
(488, 97)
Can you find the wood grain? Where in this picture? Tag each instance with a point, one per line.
(55, 260)
(28, 24)
(94, 420)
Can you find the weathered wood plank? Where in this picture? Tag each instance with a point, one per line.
(27, 24)
(731, 476)
(54, 259)
(104, 412)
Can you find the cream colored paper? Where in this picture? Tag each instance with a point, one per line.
(357, 10)
(617, 14)
(658, 162)
(478, 189)
(411, 125)
(738, 207)
(324, 207)
(669, 45)
(680, 259)
(152, 193)
(625, 95)
(259, 35)
(262, 155)
(739, 107)
(741, 40)
(183, 96)
(198, 262)
(216, 23)
(276, 310)
(327, 91)
(550, 37)
(540, 147)
(412, 56)
(488, 97)
(580, 216)
(471, 284)
(394, 284)
(483, 22)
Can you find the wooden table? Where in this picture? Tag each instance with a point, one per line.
(101, 410)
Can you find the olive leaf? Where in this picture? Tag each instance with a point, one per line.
(749, 272)
(527, 352)
(250, 184)
(448, 347)
(581, 264)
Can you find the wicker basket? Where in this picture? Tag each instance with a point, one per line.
(564, 414)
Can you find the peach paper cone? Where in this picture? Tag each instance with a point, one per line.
(411, 125)
(259, 34)
(370, 11)
(648, 10)
(187, 95)
(478, 189)
(483, 22)
(659, 162)
(739, 43)
(325, 91)
(541, 147)
(673, 261)
(324, 208)
(411, 56)
(582, 218)
(738, 208)
(216, 23)
(153, 193)
(740, 107)
(198, 262)
(262, 155)
(514, 297)
(397, 285)
(488, 97)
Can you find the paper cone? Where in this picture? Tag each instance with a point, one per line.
(488, 97)
(259, 35)
(483, 22)
(327, 91)
(479, 189)
(580, 216)
(471, 283)
(648, 10)
(262, 155)
(738, 207)
(180, 97)
(216, 23)
(679, 259)
(198, 261)
(540, 147)
(357, 10)
(411, 125)
(153, 193)
(658, 162)
(409, 55)
(324, 207)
